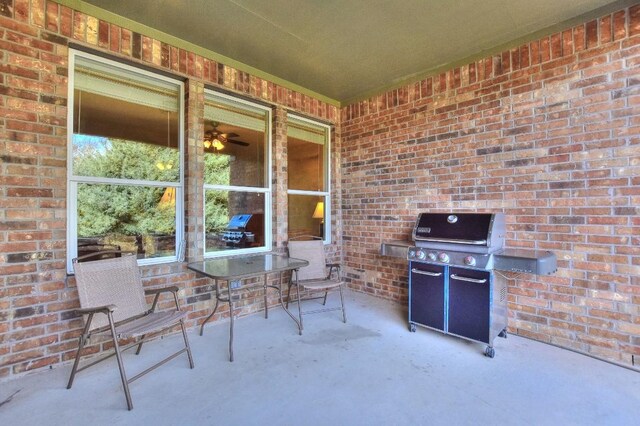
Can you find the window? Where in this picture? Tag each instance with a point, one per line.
(308, 168)
(237, 175)
(125, 179)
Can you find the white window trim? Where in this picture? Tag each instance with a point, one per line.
(266, 190)
(327, 178)
(73, 181)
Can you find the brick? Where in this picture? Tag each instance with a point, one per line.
(634, 20)
(619, 25)
(51, 17)
(114, 38)
(35, 364)
(91, 31)
(34, 343)
(66, 21)
(633, 329)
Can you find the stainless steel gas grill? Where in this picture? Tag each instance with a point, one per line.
(453, 286)
(243, 230)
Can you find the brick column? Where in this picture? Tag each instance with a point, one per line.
(335, 158)
(280, 219)
(194, 169)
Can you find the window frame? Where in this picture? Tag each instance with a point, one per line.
(267, 189)
(73, 181)
(326, 194)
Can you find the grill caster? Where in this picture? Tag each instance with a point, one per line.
(412, 328)
(503, 334)
(490, 352)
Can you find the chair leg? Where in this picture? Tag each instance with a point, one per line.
(123, 375)
(81, 344)
(186, 343)
(140, 345)
(76, 362)
(344, 313)
(324, 302)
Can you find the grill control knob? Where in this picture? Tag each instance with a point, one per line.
(432, 256)
(470, 260)
(443, 257)
(421, 255)
(412, 253)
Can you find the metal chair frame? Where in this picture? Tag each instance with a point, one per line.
(113, 326)
(331, 285)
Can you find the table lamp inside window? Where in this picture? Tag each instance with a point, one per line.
(318, 213)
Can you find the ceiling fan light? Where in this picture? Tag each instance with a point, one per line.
(217, 144)
(207, 143)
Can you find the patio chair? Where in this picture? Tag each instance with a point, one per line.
(113, 303)
(314, 278)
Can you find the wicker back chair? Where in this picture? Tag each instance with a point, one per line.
(111, 290)
(317, 277)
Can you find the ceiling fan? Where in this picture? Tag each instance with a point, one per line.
(213, 138)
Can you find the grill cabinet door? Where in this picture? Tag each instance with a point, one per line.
(426, 294)
(469, 303)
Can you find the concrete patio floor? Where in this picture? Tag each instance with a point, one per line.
(370, 371)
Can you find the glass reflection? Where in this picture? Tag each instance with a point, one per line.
(234, 220)
(305, 165)
(237, 160)
(114, 138)
(98, 156)
(129, 218)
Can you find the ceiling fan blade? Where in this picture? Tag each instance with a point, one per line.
(237, 142)
(229, 135)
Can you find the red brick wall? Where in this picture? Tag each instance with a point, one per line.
(38, 325)
(548, 133)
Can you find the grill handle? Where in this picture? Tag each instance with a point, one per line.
(430, 274)
(452, 241)
(467, 279)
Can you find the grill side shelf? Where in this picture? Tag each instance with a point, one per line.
(395, 249)
(527, 261)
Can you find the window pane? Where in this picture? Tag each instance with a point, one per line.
(130, 218)
(125, 124)
(238, 164)
(235, 142)
(306, 155)
(306, 215)
(234, 220)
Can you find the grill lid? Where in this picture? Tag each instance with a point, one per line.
(468, 229)
(239, 222)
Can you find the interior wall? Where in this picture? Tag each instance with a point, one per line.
(301, 221)
(549, 134)
(39, 326)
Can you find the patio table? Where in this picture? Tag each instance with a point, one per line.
(235, 270)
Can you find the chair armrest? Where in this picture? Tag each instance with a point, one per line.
(331, 267)
(104, 309)
(157, 291)
(172, 289)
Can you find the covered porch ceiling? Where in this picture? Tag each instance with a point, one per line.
(347, 50)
